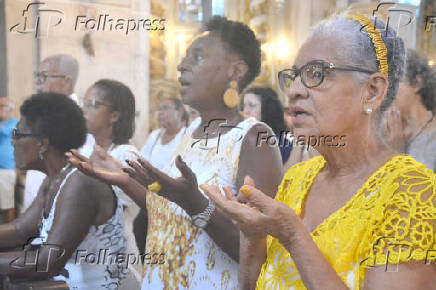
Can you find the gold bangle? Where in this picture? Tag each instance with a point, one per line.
(155, 187)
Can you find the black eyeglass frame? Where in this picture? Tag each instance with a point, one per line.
(325, 66)
(43, 76)
(16, 135)
(94, 104)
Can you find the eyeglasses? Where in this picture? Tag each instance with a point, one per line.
(165, 108)
(43, 76)
(8, 106)
(312, 73)
(94, 104)
(17, 135)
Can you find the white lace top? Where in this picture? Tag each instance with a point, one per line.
(191, 259)
(92, 266)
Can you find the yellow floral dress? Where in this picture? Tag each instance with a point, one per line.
(391, 219)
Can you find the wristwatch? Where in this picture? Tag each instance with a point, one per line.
(201, 220)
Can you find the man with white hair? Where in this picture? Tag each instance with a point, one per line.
(7, 163)
(57, 74)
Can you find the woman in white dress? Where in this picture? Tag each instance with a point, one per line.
(74, 217)
(200, 247)
(163, 142)
(159, 149)
(109, 111)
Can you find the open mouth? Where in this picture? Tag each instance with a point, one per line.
(298, 112)
(184, 83)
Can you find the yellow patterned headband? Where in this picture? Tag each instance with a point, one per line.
(377, 40)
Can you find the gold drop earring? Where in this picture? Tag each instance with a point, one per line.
(231, 96)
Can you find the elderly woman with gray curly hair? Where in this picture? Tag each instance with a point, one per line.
(358, 216)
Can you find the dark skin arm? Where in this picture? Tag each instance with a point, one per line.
(76, 211)
(16, 233)
(267, 167)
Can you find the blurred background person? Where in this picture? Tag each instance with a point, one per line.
(160, 147)
(7, 164)
(163, 142)
(410, 125)
(193, 114)
(109, 111)
(264, 105)
(57, 74)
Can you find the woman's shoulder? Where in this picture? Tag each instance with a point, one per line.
(123, 152)
(153, 134)
(406, 214)
(406, 170)
(82, 184)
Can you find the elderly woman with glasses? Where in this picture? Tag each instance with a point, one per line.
(359, 216)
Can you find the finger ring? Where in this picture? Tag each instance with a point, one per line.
(245, 190)
(155, 187)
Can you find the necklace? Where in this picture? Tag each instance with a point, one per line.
(55, 184)
(421, 130)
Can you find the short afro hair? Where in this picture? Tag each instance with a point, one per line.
(57, 118)
(242, 41)
(122, 100)
(419, 73)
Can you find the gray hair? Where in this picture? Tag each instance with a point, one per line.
(66, 65)
(358, 50)
(419, 73)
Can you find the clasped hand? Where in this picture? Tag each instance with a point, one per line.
(253, 212)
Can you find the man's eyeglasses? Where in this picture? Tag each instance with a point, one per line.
(312, 73)
(165, 108)
(17, 135)
(94, 104)
(43, 76)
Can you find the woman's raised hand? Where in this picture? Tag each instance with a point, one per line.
(393, 129)
(100, 165)
(178, 190)
(252, 211)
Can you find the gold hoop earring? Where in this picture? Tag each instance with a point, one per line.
(231, 96)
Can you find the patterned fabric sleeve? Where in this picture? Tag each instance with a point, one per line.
(406, 230)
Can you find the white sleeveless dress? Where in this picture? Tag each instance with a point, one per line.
(92, 266)
(191, 259)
